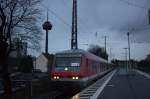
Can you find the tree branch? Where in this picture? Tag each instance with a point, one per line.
(3, 19)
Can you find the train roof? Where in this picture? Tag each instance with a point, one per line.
(72, 51)
(80, 51)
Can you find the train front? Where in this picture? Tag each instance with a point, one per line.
(67, 67)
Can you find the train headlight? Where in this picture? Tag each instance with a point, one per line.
(55, 77)
(73, 77)
(77, 77)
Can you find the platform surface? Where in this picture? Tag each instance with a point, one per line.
(132, 86)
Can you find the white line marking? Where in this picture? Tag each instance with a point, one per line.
(100, 89)
(142, 73)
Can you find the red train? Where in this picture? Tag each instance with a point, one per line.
(78, 65)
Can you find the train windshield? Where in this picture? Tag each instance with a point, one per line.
(67, 61)
(67, 64)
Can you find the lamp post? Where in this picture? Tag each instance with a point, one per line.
(105, 43)
(47, 26)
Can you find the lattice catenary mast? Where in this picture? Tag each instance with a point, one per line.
(74, 41)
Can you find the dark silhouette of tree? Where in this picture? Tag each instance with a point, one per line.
(25, 64)
(98, 51)
(17, 17)
(144, 64)
(114, 61)
(148, 57)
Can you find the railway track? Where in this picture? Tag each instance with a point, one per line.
(93, 90)
(56, 91)
(63, 91)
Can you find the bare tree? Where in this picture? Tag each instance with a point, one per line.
(98, 51)
(17, 17)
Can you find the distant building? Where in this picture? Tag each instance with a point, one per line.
(19, 48)
(44, 62)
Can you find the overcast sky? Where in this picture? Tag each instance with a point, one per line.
(112, 18)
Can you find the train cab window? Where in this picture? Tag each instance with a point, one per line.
(67, 61)
(71, 63)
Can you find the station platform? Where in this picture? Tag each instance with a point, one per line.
(134, 85)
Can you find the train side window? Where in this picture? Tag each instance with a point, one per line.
(86, 62)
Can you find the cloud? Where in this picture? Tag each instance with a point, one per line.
(108, 17)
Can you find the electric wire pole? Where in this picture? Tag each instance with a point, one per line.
(105, 46)
(74, 41)
(110, 56)
(128, 34)
(126, 58)
(105, 43)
